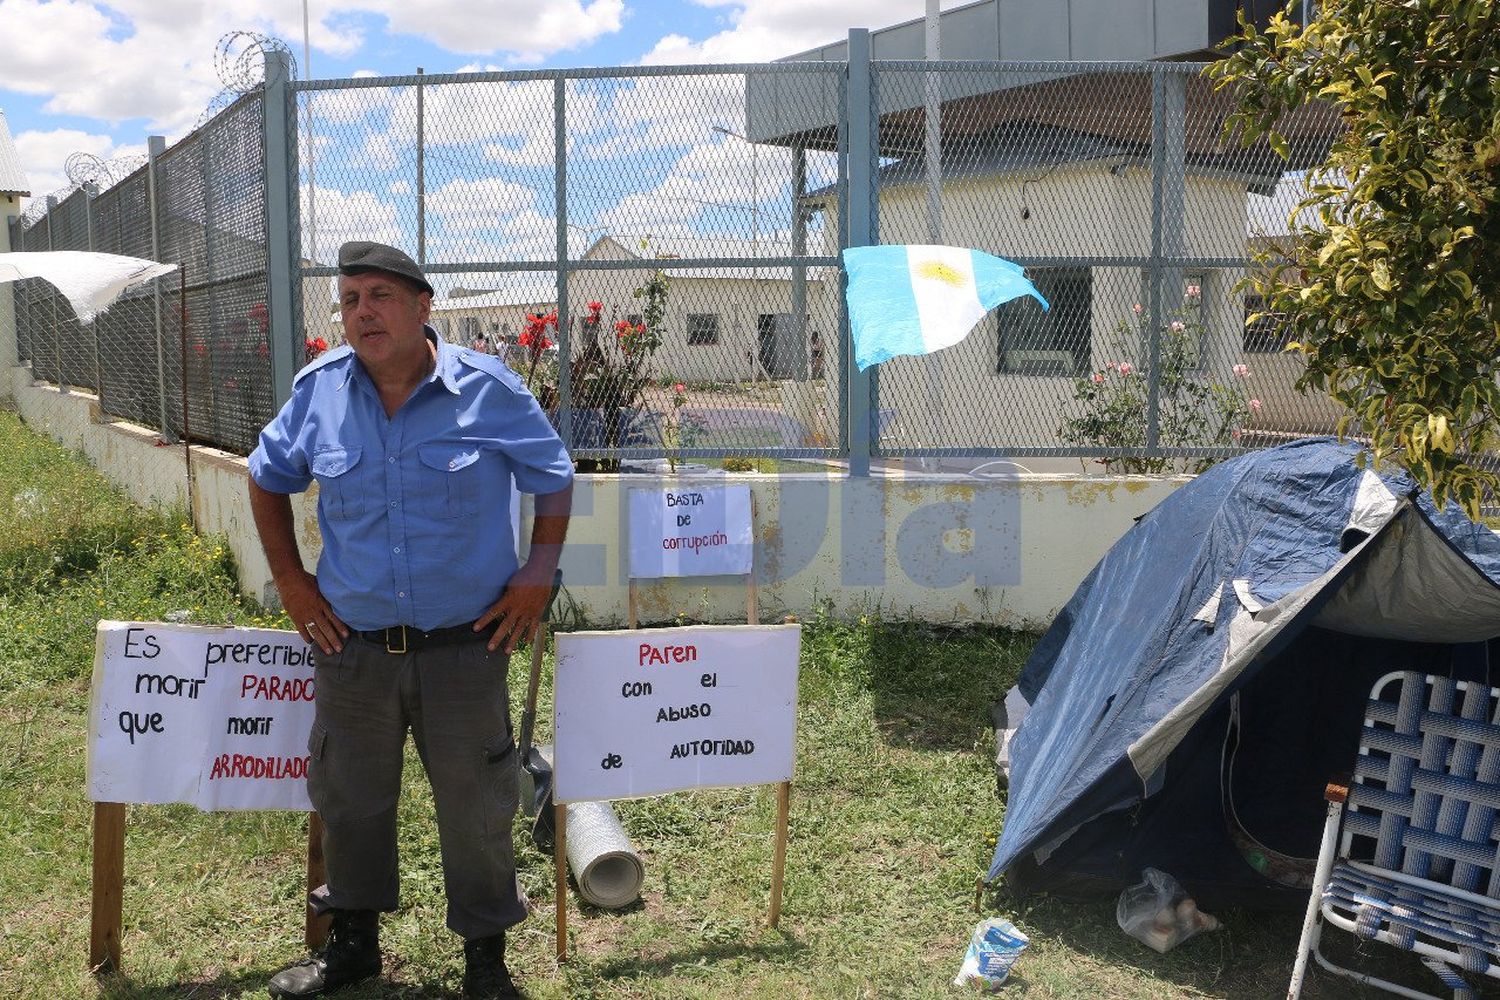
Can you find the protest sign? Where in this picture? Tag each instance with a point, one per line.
(214, 717)
(690, 531)
(646, 712)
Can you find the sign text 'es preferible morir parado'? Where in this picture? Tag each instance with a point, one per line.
(213, 717)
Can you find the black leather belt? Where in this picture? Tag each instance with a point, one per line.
(405, 638)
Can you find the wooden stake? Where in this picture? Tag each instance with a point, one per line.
(634, 618)
(752, 606)
(315, 926)
(107, 914)
(778, 861)
(560, 856)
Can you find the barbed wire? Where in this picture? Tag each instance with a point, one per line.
(84, 170)
(240, 63)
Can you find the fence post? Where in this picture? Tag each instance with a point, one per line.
(863, 231)
(156, 145)
(421, 176)
(1168, 122)
(282, 251)
(799, 271)
(56, 334)
(88, 218)
(564, 331)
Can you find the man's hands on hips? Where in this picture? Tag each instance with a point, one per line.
(520, 607)
(313, 615)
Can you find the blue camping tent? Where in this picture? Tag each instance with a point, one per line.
(1208, 677)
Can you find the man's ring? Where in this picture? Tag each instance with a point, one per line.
(311, 626)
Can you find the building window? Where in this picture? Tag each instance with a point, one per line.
(702, 328)
(1034, 341)
(1268, 334)
(468, 328)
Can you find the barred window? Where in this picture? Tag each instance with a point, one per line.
(1269, 333)
(1034, 341)
(703, 328)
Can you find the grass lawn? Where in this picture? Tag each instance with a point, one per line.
(893, 816)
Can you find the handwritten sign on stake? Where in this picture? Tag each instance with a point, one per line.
(213, 717)
(690, 531)
(652, 711)
(646, 712)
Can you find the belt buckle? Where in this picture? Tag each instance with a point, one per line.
(401, 630)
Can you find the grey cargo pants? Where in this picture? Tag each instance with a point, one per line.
(455, 701)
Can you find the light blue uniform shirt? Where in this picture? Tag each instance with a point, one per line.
(415, 508)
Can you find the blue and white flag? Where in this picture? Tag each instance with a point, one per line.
(920, 299)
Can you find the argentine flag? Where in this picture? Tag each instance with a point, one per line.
(921, 299)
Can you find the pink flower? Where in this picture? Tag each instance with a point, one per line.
(1112, 366)
(1098, 378)
(679, 388)
(1193, 291)
(1235, 434)
(1177, 326)
(1125, 368)
(1255, 406)
(1136, 308)
(1241, 371)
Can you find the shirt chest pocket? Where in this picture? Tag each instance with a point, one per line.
(450, 478)
(336, 471)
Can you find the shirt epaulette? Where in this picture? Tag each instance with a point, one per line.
(491, 365)
(338, 353)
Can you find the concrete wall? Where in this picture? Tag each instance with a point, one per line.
(939, 548)
(10, 208)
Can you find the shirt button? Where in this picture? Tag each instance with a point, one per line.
(397, 550)
(400, 593)
(393, 503)
(392, 460)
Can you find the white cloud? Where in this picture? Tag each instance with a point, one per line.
(117, 60)
(466, 206)
(518, 26)
(44, 155)
(358, 216)
(763, 30)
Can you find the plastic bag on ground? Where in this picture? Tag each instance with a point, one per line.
(1158, 913)
(993, 949)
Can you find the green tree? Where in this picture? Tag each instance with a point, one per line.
(1393, 294)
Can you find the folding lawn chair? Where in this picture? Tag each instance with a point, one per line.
(1416, 864)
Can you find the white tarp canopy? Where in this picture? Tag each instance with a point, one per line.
(89, 281)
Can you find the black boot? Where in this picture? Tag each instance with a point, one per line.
(352, 954)
(485, 974)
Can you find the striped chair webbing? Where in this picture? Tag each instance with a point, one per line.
(1378, 903)
(1427, 782)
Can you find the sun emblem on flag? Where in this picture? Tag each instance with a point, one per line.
(936, 270)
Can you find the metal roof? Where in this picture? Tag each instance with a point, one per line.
(12, 179)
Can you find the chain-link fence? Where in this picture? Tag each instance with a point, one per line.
(200, 204)
(654, 250)
(616, 235)
(1135, 219)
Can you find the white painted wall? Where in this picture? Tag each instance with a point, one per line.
(10, 208)
(1077, 209)
(935, 548)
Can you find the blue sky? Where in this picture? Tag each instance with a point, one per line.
(98, 77)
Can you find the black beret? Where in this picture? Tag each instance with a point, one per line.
(359, 256)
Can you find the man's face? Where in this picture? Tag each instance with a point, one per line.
(383, 317)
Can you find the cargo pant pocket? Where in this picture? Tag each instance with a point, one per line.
(344, 782)
(501, 783)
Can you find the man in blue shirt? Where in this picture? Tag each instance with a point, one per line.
(417, 602)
